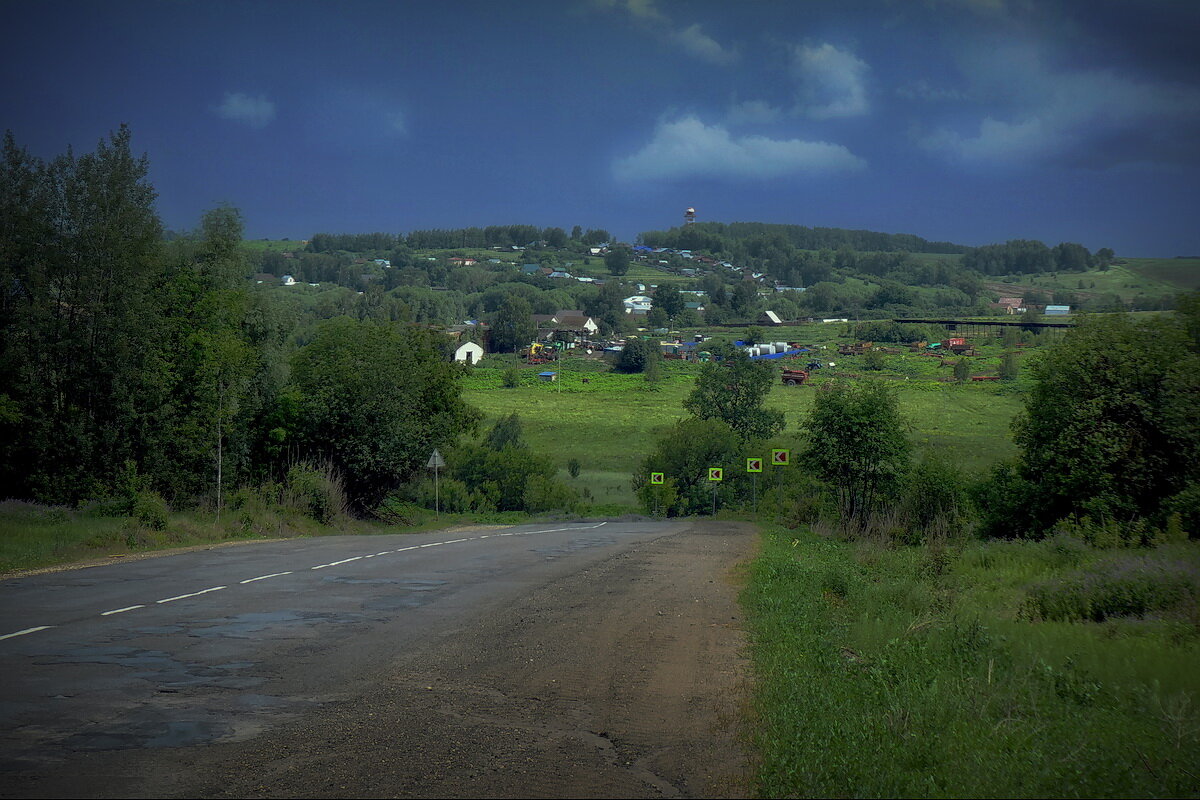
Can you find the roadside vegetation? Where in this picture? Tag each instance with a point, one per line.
(965, 668)
(920, 631)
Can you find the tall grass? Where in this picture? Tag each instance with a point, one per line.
(911, 672)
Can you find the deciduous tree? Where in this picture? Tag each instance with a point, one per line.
(734, 391)
(857, 444)
(375, 401)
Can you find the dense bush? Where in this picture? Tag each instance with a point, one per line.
(316, 491)
(633, 356)
(934, 500)
(503, 474)
(684, 456)
(150, 510)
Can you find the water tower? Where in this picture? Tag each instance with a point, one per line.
(689, 216)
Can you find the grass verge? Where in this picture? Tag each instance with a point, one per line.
(917, 672)
(35, 536)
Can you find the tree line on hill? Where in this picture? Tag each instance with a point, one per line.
(722, 237)
(506, 236)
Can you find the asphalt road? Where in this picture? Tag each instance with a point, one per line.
(585, 659)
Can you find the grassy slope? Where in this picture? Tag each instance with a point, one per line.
(1148, 276)
(1178, 273)
(911, 672)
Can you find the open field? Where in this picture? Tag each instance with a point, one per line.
(611, 422)
(901, 672)
(1180, 273)
(1153, 277)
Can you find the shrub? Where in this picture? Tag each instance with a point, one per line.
(1187, 505)
(511, 378)
(573, 467)
(317, 492)
(1127, 586)
(1008, 367)
(395, 511)
(150, 510)
(451, 495)
(657, 498)
(872, 360)
(550, 495)
(1108, 534)
(934, 499)
(633, 356)
(962, 370)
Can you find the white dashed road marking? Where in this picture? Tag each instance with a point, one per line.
(193, 594)
(319, 566)
(119, 610)
(27, 630)
(264, 577)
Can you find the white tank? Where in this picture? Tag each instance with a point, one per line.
(781, 347)
(767, 349)
(754, 351)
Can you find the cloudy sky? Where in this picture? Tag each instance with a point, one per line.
(972, 121)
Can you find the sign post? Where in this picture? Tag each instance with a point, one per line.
(780, 458)
(754, 466)
(435, 463)
(656, 479)
(715, 476)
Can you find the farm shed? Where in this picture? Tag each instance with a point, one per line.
(468, 353)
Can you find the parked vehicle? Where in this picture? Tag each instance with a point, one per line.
(794, 377)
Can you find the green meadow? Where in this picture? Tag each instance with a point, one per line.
(610, 421)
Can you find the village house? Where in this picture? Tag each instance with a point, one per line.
(1011, 305)
(637, 304)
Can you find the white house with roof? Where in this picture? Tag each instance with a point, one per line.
(287, 280)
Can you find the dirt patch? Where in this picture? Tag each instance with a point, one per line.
(625, 679)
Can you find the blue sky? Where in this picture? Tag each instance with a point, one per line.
(973, 121)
